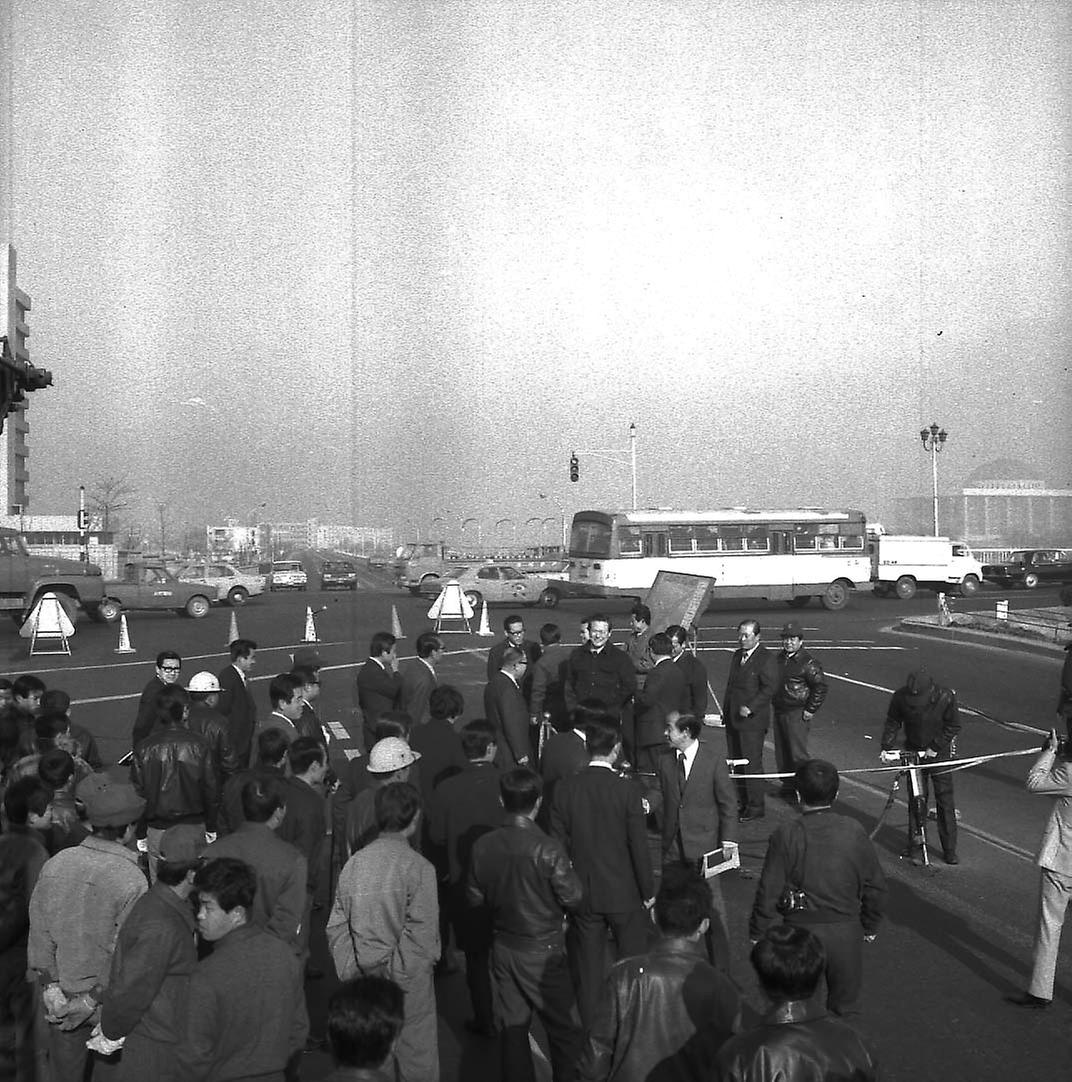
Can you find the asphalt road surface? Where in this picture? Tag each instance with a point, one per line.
(956, 940)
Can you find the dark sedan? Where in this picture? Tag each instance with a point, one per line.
(1030, 567)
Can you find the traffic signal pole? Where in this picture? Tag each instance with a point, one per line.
(83, 524)
(614, 453)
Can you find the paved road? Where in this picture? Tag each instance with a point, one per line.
(957, 938)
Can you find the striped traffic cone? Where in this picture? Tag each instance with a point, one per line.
(310, 626)
(233, 633)
(396, 624)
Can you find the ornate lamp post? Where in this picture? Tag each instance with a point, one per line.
(934, 441)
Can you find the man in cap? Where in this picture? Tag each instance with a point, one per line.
(389, 761)
(204, 689)
(145, 1005)
(82, 898)
(930, 718)
(385, 923)
(168, 667)
(800, 689)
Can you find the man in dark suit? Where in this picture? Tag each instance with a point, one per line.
(566, 753)
(168, 667)
(599, 670)
(514, 628)
(418, 677)
(462, 808)
(599, 818)
(746, 712)
(699, 812)
(692, 668)
(548, 679)
(379, 687)
(662, 693)
(505, 708)
(236, 700)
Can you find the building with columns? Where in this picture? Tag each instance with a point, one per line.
(1008, 502)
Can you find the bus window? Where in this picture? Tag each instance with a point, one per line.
(757, 539)
(680, 539)
(706, 538)
(732, 538)
(629, 540)
(590, 538)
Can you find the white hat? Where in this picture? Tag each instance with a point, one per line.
(203, 681)
(390, 754)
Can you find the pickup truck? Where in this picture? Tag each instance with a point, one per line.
(24, 577)
(148, 586)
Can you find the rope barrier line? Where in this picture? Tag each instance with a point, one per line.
(950, 766)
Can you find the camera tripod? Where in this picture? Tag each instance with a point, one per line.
(917, 807)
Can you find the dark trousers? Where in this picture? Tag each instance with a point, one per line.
(843, 944)
(17, 1022)
(587, 941)
(524, 982)
(472, 934)
(748, 744)
(942, 783)
(790, 744)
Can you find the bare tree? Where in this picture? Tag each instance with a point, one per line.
(108, 497)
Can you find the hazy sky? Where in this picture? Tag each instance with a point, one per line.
(412, 253)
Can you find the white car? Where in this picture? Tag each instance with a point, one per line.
(499, 583)
(288, 575)
(228, 583)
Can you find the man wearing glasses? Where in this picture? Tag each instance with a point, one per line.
(168, 667)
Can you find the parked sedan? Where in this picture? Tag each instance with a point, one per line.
(496, 583)
(150, 586)
(224, 582)
(1029, 567)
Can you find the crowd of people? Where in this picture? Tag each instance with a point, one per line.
(568, 845)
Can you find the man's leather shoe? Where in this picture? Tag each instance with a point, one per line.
(1026, 999)
(313, 974)
(951, 858)
(750, 817)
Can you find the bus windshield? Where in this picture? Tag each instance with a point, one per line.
(589, 538)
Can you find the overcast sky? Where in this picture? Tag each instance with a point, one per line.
(410, 254)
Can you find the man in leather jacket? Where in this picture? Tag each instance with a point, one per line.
(173, 770)
(527, 882)
(800, 691)
(668, 1011)
(931, 721)
(796, 1039)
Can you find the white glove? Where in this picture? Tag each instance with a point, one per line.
(929, 753)
(104, 1045)
(890, 756)
(55, 1001)
(143, 845)
(210, 836)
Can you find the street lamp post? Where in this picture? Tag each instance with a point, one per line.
(934, 441)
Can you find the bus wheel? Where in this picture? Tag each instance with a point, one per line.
(798, 602)
(836, 596)
(905, 587)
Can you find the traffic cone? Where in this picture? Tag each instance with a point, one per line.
(310, 626)
(485, 627)
(124, 646)
(233, 633)
(396, 624)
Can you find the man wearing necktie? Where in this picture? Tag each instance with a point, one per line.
(699, 812)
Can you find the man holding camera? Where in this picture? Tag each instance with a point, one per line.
(928, 712)
(1051, 775)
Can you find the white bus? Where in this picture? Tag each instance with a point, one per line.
(789, 555)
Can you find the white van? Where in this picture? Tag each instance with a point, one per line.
(901, 563)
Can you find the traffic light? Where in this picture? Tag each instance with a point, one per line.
(574, 468)
(16, 378)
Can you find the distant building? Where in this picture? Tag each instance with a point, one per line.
(273, 540)
(14, 449)
(1008, 502)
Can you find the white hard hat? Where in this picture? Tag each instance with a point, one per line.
(391, 754)
(203, 681)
